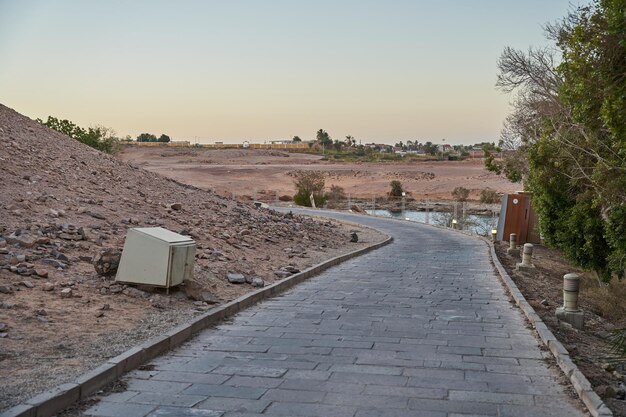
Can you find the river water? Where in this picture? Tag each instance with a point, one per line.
(475, 223)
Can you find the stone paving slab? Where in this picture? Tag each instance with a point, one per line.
(420, 327)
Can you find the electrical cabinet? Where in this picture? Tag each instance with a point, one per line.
(156, 256)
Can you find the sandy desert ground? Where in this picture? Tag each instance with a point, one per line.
(263, 174)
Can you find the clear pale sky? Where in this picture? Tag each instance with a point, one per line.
(268, 69)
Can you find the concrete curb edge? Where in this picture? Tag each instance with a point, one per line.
(58, 398)
(583, 388)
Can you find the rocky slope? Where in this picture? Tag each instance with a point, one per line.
(62, 203)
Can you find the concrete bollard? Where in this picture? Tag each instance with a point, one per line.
(571, 287)
(570, 313)
(527, 256)
(513, 250)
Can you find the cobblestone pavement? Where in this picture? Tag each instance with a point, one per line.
(420, 327)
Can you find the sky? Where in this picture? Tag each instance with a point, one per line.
(261, 70)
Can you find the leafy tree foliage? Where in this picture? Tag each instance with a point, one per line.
(146, 137)
(323, 138)
(396, 189)
(568, 131)
(307, 183)
(430, 148)
(149, 137)
(296, 139)
(98, 137)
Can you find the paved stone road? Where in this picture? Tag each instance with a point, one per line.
(421, 327)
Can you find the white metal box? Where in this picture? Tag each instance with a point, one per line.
(156, 256)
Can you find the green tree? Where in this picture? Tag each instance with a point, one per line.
(296, 139)
(323, 138)
(146, 137)
(307, 183)
(568, 132)
(163, 138)
(430, 148)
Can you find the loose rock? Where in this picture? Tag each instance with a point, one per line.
(41, 273)
(210, 298)
(23, 240)
(282, 274)
(135, 293)
(235, 278)
(114, 289)
(107, 261)
(54, 263)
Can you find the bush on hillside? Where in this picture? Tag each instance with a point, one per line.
(98, 137)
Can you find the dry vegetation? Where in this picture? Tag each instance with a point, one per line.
(604, 312)
(266, 174)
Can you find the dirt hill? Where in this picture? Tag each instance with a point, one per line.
(62, 203)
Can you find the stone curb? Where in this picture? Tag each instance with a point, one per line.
(583, 388)
(52, 401)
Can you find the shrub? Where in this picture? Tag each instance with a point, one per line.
(307, 183)
(460, 193)
(98, 137)
(396, 189)
(489, 196)
(335, 196)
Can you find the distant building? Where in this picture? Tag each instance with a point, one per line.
(476, 153)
